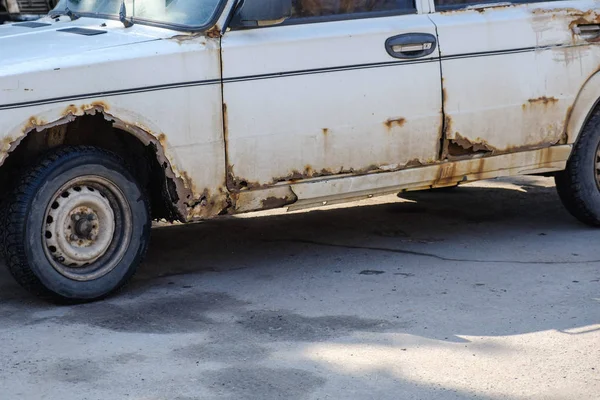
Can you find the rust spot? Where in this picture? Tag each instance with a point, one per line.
(6, 144)
(213, 32)
(565, 136)
(274, 202)
(325, 131)
(445, 174)
(71, 109)
(33, 123)
(413, 163)
(447, 125)
(390, 123)
(553, 11)
(225, 122)
(480, 8)
(208, 205)
(99, 104)
(231, 181)
(478, 170)
(543, 100)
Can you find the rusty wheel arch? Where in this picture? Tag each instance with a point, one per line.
(39, 136)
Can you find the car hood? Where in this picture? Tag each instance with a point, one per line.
(26, 43)
(39, 64)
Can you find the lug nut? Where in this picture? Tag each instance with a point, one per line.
(73, 237)
(75, 217)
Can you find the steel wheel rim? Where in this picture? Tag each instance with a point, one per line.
(87, 228)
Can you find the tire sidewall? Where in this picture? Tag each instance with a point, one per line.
(586, 169)
(61, 171)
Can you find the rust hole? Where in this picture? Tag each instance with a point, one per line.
(461, 146)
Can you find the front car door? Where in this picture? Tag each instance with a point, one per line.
(322, 95)
(511, 73)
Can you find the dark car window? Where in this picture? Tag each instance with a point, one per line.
(323, 8)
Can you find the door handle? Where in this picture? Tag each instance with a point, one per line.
(411, 45)
(589, 32)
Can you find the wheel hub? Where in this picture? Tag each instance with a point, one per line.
(85, 228)
(80, 225)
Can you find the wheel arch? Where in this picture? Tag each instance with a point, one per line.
(98, 125)
(586, 103)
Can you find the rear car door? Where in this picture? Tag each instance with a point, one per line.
(323, 95)
(511, 72)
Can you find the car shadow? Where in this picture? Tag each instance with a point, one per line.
(423, 270)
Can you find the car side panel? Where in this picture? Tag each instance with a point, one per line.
(511, 73)
(322, 99)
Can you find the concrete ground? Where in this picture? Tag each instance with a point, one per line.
(490, 291)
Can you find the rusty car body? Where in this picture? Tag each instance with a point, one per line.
(240, 113)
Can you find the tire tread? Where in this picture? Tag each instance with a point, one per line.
(15, 214)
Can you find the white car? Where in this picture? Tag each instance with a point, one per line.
(114, 113)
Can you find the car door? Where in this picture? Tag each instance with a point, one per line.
(323, 95)
(511, 72)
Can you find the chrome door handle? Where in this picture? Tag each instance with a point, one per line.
(403, 48)
(590, 32)
(411, 45)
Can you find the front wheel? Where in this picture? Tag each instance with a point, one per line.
(77, 226)
(579, 184)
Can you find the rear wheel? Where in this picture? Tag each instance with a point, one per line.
(77, 226)
(579, 184)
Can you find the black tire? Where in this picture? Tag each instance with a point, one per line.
(81, 177)
(579, 184)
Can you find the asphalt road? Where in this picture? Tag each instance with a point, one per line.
(489, 291)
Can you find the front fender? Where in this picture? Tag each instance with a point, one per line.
(17, 124)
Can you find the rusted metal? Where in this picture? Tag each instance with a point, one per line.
(392, 122)
(263, 199)
(469, 146)
(214, 32)
(543, 100)
(448, 173)
(274, 202)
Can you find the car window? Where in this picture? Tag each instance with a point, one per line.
(348, 8)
